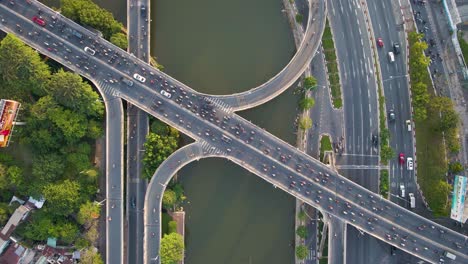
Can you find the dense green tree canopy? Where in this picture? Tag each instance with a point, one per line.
(310, 83)
(306, 103)
(169, 199)
(70, 91)
(88, 13)
(120, 40)
(88, 213)
(301, 252)
(47, 168)
(301, 232)
(172, 248)
(157, 149)
(63, 198)
(21, 70)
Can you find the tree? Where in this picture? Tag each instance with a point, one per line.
(63, 198)
(71, 124)
(92, 233)
(90, 256)
(88, 13)
(305, 123)
(88, 213)
(120, 40)
(172, 227)
(449, 118)
(4, 214)
(159, 127)
(455, 167)
(66, 231)
(169, 199)
(4, 182)
(47, 168)
(310, 83)
(301, 252)
(172, 248)
(157, 149)
(94, 129)
(386, 152)
(22, 70)
(301, 215)
(15, 176)
(306, 103)
(301, 232)
(69, 90)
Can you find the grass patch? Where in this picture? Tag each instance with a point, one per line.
(463, 45)
(384, 183)
(328, 44)
(330, 55)
(429, 144)
(432, 166)
(325, 145)
(299, 18)
(332, 66)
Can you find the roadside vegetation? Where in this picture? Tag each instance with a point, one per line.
(384, 183)
(332, 66)
(51, 155)
(325, 145)
(464, 48)
(435, 119)
(87, 13)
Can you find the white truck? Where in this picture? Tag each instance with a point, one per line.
(412, 200)
(450, 255)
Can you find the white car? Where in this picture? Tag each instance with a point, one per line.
(409, 163)
(402, 189)
(139, 77)
(90, 51)
(168, 95)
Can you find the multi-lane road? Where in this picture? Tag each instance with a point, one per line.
(223, 133)
(138, 24)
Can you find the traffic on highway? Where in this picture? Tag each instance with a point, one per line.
(228, 135)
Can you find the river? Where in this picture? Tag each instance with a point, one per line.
(221, 47)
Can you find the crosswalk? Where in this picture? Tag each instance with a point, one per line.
(107, 89)
(220, 104)
(210, 150)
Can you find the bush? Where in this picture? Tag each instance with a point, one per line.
(455, 167)
(301, 232)
(384, 183)
(299, 18)
(301, 252)
(172, 227)
(305, 123)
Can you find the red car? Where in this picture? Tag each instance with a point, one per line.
(402, 159)
(39, 21)
(380, 42)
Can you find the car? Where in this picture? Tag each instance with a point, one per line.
(139, 77)
(408, 125)
(396, 48)
(380, 42)
(41, 22)
(402, 189)
(391, 57)
(126, 81)
(409, 163)
(89, 51)
(391, 115)
(168, 95)
(402, 158)
(133, 202)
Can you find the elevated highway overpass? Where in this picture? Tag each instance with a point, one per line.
(224, 134)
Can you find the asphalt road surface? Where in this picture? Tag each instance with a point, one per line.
(225, 134)
(138, 24)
